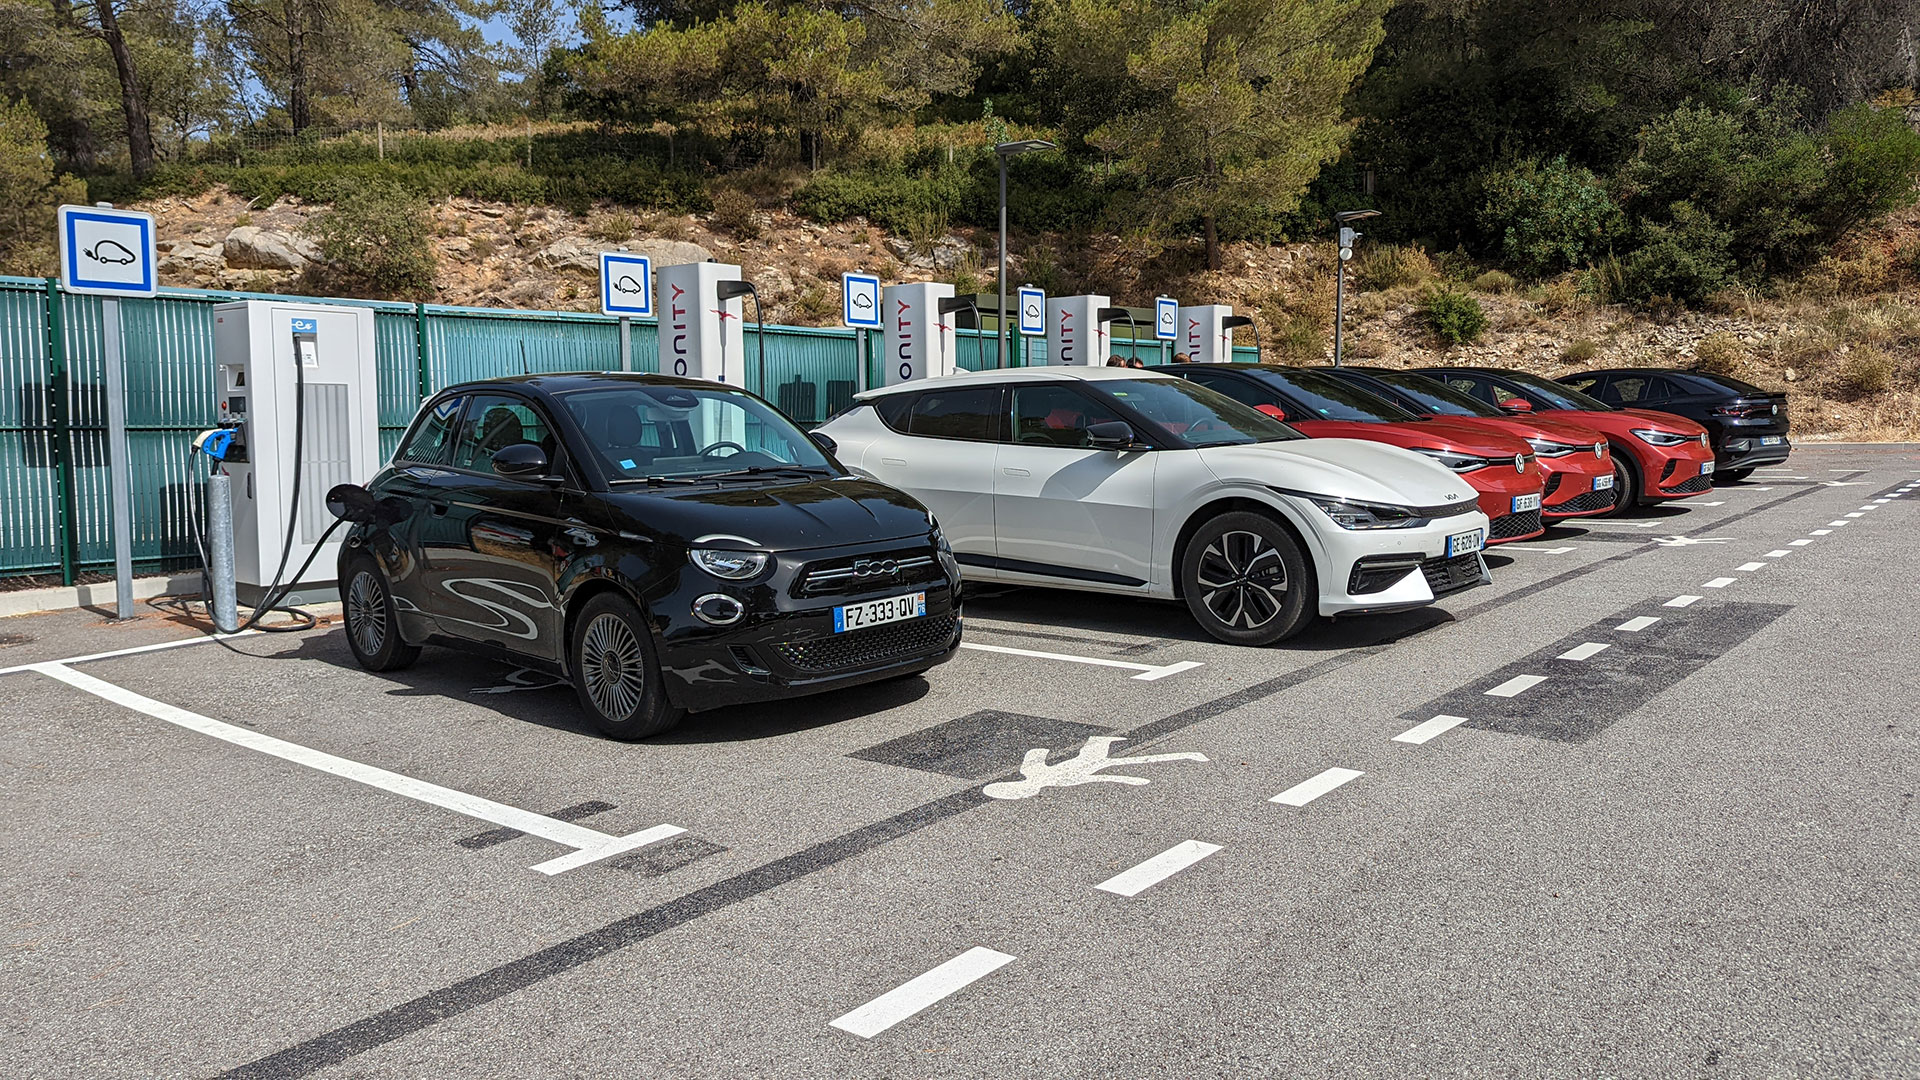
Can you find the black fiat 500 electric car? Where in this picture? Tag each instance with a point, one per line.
(1748, 425)
(670, 545)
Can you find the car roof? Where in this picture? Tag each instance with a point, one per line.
(1007, 375)
(1597, 372)
(566, 381)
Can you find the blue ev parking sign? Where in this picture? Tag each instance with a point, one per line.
(1166, 318)
(626, 284)
(1033, 312)
(860, 301)
(106, 252)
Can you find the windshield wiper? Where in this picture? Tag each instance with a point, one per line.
(767, 470)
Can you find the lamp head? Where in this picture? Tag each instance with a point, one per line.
(1344, 216)
(1022, 146)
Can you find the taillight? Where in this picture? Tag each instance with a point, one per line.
(1743, 412)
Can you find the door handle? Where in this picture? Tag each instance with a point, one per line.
(893, 461)
(1016, 472)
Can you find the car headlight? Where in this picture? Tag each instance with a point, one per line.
(1353, 514)
(730, 564)
(1460, 463)
(1653, 437)
(1549, 448)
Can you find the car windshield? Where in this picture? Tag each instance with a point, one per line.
(1327, 398)
(681, 434)
(1556, 395)
(1194, 413)
(1434, 396)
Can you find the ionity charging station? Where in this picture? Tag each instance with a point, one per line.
(296, 385)
(701, 310)
(1076, 333)
(918, 339)
(1203, 335)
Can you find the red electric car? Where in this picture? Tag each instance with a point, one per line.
(1656, 455)
(1578, 465)
(1500, 467)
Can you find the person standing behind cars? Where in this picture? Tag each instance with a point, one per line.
(1114, 361)
(1182, 358)
(1136, 362)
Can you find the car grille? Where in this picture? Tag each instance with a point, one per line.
(1553, 483)
(859, 573)
(1512, 525)
(1446, 575)
(1692, 484)
(1584, 503)
(868, 648)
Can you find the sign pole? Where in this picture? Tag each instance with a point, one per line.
(626, 343)
(121, 488)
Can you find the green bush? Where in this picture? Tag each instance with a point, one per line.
(1392, 266)
(1719, 353)
(737, 213)
(1547, 216)
(1494, 281)
(374, 239)
(1684, 260)
(1454, 317)
(1862, 373)
(1580, 351)
(30, 191)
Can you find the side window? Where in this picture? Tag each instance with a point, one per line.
(1659, 389)
(1478, 388)
(1587, 384)
(1243, 391)
(894, 410)
(494, 422)
(972, 414)
(1625, 389)
(433, 436)
(1048, 414)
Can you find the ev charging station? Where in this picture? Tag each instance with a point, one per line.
(702, 322)
(1204, 335)
(297, 384)
(1076, 333)
(919, 341)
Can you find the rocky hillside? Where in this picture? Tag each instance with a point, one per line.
(1843, 340)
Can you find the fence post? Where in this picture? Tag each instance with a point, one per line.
(66, 527)
(425, 374)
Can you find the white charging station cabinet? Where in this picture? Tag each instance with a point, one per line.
(272, 359)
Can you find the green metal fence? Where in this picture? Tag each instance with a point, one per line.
(55, 517)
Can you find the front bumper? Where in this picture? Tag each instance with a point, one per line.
(1681, 473)
(1570, 491)
(1497, 488)
(1396, 569)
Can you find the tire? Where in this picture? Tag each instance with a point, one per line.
(1732, 476)
(373, 628)
(615, 671)
(1246, 581)
(1626, 486)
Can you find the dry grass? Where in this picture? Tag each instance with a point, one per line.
(1719, 353)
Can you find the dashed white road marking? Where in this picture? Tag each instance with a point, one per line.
(1837, 524)
(1638, 623)
(1157, 869)
(1541, 550)
(1750, 567)
(1681, 601)
(1427, 730)
(918, 993)
(1147, 672)
(1777, 553)
(1855, 514)
(1721, 582)
(1310, 789)
(1583, 651)
(1822, 532)
(1722, 502)
(1798, 543)
(1517, 685)
(591, 845)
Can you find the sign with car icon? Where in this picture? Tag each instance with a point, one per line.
(1166, 318)
(1033, 312)
(106, 252)
(860, 301)
(626, 284)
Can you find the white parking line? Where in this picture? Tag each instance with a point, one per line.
(1798, 543)
(1148, 672)
(916, 994)
(1427, 730)
(1821, 532)
(1722, 502)
(1855, 514)
(592, 844)
(1721, 582)
(1681, 601)
(1541, 550)
(1582, 652)
(1157, 869)
(1517, 685)
(1777, 553)
(1837, 524)
(132, 651)
(1308, 790)
(1759, 489)
(1750, 567)
(1638, 623)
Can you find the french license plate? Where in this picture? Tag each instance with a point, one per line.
(1524, 503)
(1603, 483)
(1772, 440)
(874, 612)
(1465, 543)
(1706, 467)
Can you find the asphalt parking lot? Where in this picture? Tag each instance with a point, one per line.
(1644, 807)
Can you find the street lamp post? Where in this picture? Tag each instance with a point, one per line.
(1003, 151)
(1347, 237)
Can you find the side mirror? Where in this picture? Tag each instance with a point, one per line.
(1110, 435)
(1274, 411)
(520, 459)
(351, 502)
(1517, 405)
(824, 441)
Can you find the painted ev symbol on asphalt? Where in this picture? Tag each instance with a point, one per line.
(1086, 767)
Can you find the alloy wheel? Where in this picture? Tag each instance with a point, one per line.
(1242, 578)
(367, 613)
(613, 666)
